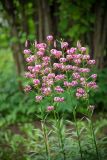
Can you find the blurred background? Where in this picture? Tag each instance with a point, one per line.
(71, 20)
(84, 20)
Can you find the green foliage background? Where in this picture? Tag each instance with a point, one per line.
(18, 111)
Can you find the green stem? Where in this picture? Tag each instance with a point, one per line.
(78, 135)
(45, 135)
(94, 138)
(92, 131)
(61, 142)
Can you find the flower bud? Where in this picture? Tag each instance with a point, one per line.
(50, 108)
(91, 108)
(78, 44)
(27, 43)
(38, 98)
(49, 38)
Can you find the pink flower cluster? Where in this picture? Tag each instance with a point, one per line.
(38, 98)
(80, 93)
(27, 88)
(58, 99)
(50, 108)
(59, 89)
(52, 71)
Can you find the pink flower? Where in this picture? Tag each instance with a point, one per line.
(36, 68)
(86, 57)
(94, 76)
(66, 84)
(40, 53)
(49, 38)
(27, 51)
(29, 75)
(46, 91)
(74, 68)
(46, 59)
(45, 64)
(56, 53)
(67, 70)
(41, 45)
(43, 86)
(44, 78)
(59, 89)
(64, 44)
(81, 90)
(42, 49)
(36, 82)
(51, 75)
(82, 79)
(63, 67)
(76, 56)
(77, 61)
(62, 60)
(30, 59)
(70, 84)
(76, 75)
(84, 70)
(80, 93)
(38, 98)
(58, 99)
(71, 50)
(83, 83)
(30, 68)
(69, 57)
(83, 49)
(68, 67)
(27, 88)
(92, 85)
(59, 77)
(74, 83)
(91, 62)
(57, 65)
(53, 51)
(50, 108)
(47, 70)
(50, 82)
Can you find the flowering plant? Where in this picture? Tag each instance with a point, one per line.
(54, 69)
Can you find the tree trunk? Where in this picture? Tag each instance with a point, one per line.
(100, 33)
(44, 20)
(15, 46)
(40, 21)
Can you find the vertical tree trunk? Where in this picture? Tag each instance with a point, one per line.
(40, 21)
(44, 20)
(15, 46)
(24, 22)
(100, 33)
(47, 20)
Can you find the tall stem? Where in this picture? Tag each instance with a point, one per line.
(78, 135)
(45, 137)
(59, 129)
(94, 138)
(92, 132)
